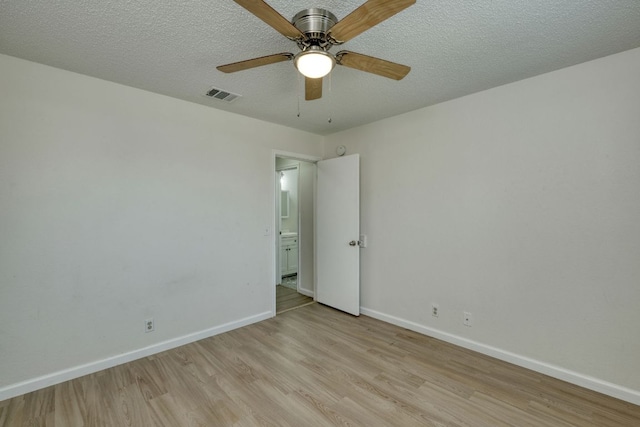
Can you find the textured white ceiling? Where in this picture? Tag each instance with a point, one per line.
(455, 47)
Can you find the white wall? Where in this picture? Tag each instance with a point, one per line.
(520, 204)
(306, 242)
(118, 205)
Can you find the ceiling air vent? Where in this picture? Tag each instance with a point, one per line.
(222, 95)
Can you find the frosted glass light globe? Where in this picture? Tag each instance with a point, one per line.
(314, 63)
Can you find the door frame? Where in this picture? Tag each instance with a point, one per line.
(275, 237)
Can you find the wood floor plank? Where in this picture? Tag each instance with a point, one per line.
(315, 366)
(288, 299)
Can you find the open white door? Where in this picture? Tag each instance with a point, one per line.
(337, 233)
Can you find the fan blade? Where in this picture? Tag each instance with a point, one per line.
(255, 62)
(312, 89)
(269, 15)
(368, 15)
(373, 65)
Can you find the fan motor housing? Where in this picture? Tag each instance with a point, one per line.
(314, 23)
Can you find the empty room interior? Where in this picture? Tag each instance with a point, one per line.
(168, 169)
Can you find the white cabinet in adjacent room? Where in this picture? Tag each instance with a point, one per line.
(289, 254)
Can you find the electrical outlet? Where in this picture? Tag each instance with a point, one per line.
(149, 325)
(467, 319)
(435, 310)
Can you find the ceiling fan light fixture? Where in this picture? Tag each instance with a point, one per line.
(314, 62)
(315, 31)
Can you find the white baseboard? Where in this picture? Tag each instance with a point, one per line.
(595, 384)
(27, 386)
(306, 292)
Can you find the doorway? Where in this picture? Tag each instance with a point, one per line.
(294, 227)
(328, 239)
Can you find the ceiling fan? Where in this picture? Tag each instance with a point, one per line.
(315, 31)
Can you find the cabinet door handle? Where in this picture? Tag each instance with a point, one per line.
(352, 243)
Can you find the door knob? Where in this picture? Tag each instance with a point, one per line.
(352, 243)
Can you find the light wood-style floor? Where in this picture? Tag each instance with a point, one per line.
(288, 299)
(315, 366)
